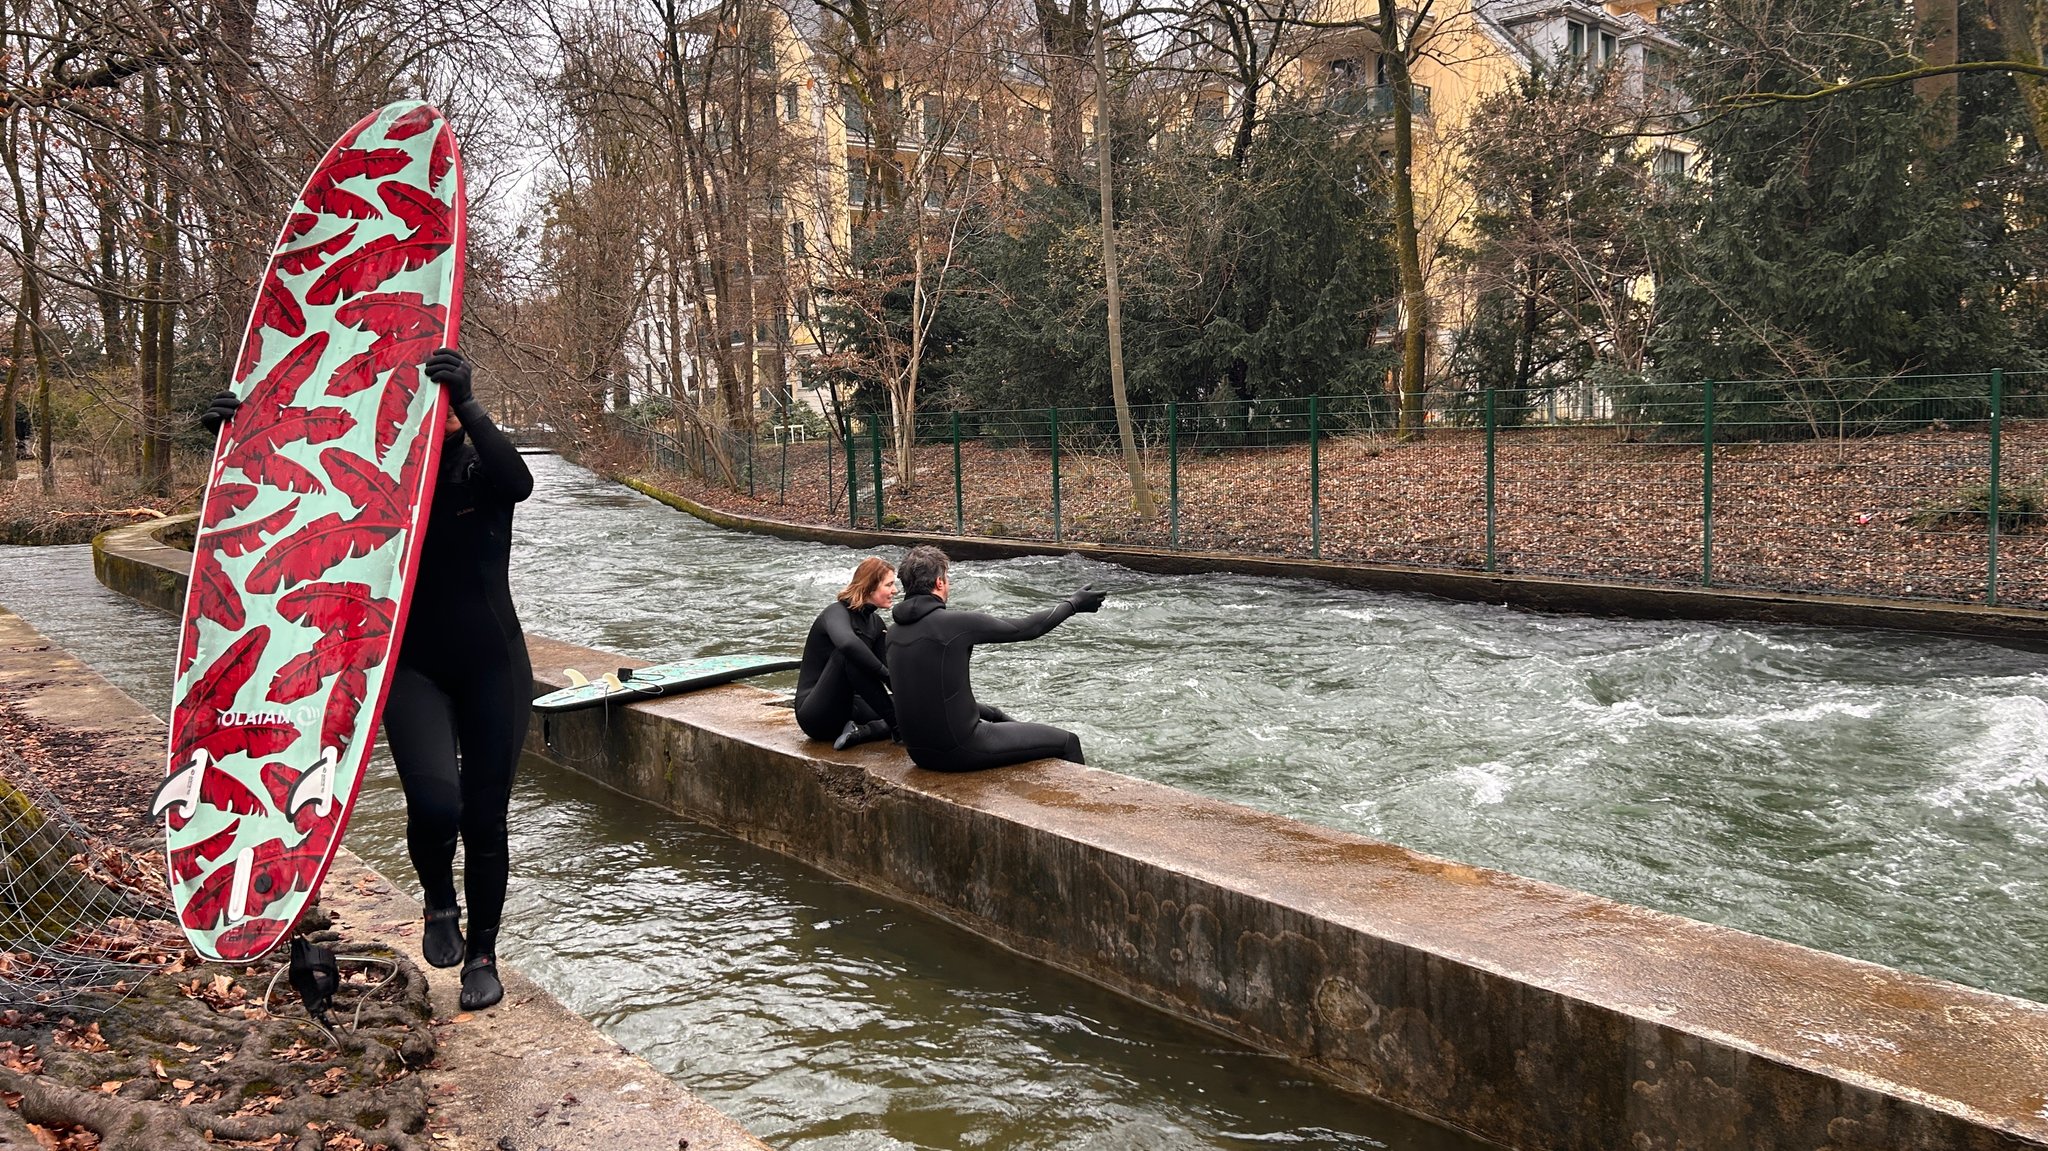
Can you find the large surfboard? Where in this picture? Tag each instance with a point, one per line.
(310, 532)
(629, 684)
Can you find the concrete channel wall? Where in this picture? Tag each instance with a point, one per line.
(1522, 1012)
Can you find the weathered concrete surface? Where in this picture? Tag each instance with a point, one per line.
(526, 1075)
(1588, 597)
(1525, 1013)
(137, 563)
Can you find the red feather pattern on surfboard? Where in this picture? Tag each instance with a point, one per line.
(302, 569)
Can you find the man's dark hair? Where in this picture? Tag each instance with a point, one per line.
(922, 569)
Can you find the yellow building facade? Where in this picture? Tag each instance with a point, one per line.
(1463, 52)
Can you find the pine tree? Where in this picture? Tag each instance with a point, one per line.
(1841, 237)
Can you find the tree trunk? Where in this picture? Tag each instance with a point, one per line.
(45, 450)
(1414, 293)
(166, 342)
(2022, 29)
(1939, 30)
(10, 394)
(1141, 492)
(148, 358)
(903, 393)
(1061, 34)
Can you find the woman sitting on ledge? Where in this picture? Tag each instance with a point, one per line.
(842, 690)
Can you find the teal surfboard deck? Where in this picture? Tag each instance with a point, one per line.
(310, 531)
(664, 679)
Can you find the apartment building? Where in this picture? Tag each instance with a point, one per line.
(929, 136)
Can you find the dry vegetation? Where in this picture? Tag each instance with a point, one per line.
(1887, 516)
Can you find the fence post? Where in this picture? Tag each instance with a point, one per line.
(1173, 474)
(1997, 414)
(831, 485)
(1707, 487)
(959, 507)
(1491, 424)
(782, 466)
(751, 436)
(875, 441)
(1052, 416)
(1315, 477)
(852, 475)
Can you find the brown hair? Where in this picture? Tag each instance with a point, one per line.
(859, 593)
(921, 570)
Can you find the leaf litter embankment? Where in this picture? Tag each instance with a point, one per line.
(158, 1053)
(1897, 516)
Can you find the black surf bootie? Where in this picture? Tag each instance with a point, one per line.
(860, 733)
(480, 985)
(441, 939)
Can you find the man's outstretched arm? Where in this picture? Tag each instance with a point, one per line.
(990, 629)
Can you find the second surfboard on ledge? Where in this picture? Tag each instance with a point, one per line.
(630, 684)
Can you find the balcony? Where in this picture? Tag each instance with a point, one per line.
(1371, 102)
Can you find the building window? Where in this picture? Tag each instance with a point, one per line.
(856, 114)
(856, 182)
(1610, 47)
(1343, 73)
(1209, 112)
(1575, 39)
(797, 250)
(934, 113)
(789, 105)
(775, 203)
(1668, 163)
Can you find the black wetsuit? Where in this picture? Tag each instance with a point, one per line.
(463, 679)
(843, 677)
(943, 727)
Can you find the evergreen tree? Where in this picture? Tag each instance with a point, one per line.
(1842, 237)
(1247, 283)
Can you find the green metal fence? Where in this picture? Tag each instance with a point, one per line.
(1879, 486)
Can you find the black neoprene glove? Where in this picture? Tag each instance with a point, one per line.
(219, 410)
(1087, 599)
(451, 369)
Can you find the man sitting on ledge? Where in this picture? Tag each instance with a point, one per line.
(942, 726)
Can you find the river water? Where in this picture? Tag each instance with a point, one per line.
(1875, 794)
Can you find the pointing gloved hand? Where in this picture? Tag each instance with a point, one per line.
(1087, 599)
(219, 410)
(451, 369)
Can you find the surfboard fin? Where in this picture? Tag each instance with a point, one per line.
(180, 789)
(316, 786)
(576, 678)
(611, 683)
(238, 889)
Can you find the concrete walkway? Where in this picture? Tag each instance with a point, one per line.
(528, 1075)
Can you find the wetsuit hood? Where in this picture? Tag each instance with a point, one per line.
(914, 608)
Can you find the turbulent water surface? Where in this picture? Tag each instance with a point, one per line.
(1876, 794)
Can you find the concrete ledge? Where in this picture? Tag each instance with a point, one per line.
(1590, 597)
(136, 562)
(1522, 1012)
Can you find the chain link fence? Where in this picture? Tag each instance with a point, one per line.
(1914, 487)
(79, 927)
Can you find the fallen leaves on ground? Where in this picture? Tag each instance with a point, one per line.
(1876, 516)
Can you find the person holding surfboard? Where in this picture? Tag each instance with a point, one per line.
(842, 692)
(943, 727)
(458, 708)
